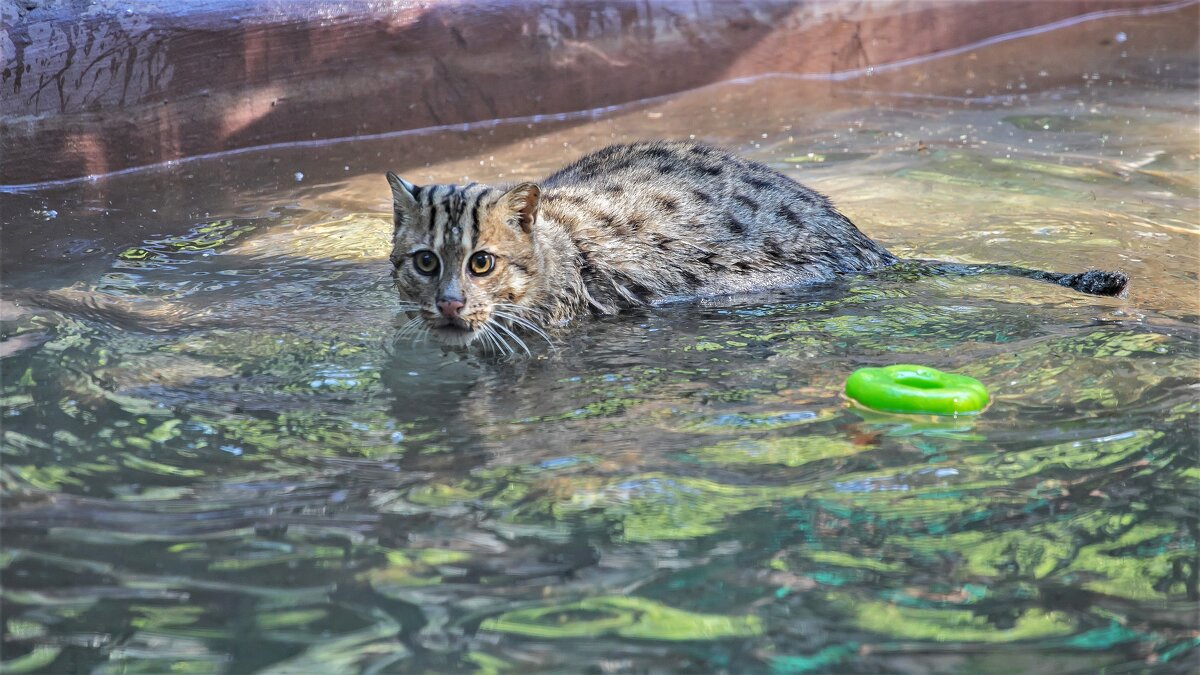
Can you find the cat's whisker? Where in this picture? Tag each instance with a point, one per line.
(420, 336)
(411, 319)
(518, 325)
(494, 343)
(526, 313)
(525, 324)
(513, 312)
(400, 335)
(409, 326)
(533, 328)
(508, 350)
(487, 341)
(504, 350)
(484, 338)
(516, 338)
(518, 309)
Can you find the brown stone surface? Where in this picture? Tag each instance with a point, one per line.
(122, 84)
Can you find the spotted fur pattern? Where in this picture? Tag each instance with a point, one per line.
(658, 220)
(626, 226)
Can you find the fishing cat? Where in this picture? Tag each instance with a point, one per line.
(626, 226)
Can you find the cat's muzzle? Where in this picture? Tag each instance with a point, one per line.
(454, 332)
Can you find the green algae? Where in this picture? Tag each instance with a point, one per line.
(656, 507)
(954, 625)
(202, 238)
(787, 451)
(1084, 455)
(486, 664)
(629, 617)
(841, 559)
(407, 569)
(1138, 565)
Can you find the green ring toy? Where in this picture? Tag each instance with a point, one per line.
(916, 390)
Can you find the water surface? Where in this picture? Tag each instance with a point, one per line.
(217, 456)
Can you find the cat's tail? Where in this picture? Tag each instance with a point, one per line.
(1095, 282)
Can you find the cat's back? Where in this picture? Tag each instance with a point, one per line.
(668, 167)
(685, 188)
(704, 219)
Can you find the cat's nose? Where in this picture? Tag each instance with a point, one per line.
(449, 308)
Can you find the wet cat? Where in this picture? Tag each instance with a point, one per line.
(626, 226)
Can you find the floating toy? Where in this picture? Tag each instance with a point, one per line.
(916, 390)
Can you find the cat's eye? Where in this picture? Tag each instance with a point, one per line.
(481, 263)
(425, 262)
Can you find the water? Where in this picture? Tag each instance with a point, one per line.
(216, 457)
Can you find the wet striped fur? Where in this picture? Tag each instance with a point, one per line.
(626, 226)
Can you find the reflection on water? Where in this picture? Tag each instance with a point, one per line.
(216, 457)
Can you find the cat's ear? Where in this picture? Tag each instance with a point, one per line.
(522, 205)
(404, 198)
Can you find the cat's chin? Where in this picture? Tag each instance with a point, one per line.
(453, 336)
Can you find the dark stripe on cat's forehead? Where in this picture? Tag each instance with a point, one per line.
(447, 205)
(426, 202)
(460, 206)
(463, 197)
(475, 217)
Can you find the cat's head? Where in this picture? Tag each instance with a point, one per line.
(463, 258)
